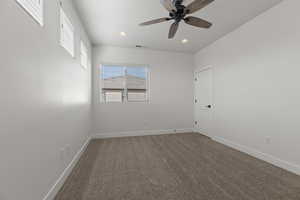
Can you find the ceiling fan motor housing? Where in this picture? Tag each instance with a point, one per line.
(177, 2)
(180, 13)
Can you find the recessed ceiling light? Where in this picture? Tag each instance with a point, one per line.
(184, 41)
(123, 34)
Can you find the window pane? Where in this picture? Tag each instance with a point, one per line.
(136, 77)
(137, 96)
(113, 96)
(113, 77)
(121, 83)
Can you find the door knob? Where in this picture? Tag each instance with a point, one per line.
(208, 106)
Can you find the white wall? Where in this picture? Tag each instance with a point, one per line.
(171, 92)
(44, 104)
(256, 85)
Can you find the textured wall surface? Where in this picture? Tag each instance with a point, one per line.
(45, 101)
(256, 84)
(171, 92)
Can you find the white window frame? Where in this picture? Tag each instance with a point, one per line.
(84, 55)
(35, 8)
(125, 98)
(67, 33)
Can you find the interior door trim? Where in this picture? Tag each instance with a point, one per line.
(197, 71)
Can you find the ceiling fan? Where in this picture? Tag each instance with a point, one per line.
(179, 12)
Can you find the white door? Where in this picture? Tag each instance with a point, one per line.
(203, 101)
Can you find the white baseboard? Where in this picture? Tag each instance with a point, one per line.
(201, 132)
(141, 133)
(263, 156)
(63, 177)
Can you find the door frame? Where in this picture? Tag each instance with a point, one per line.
(196, 72)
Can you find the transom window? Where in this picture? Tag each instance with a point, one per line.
(124, 84)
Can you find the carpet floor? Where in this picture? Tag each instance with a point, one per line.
(174, 167)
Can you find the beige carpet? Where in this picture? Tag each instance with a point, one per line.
(174, 167)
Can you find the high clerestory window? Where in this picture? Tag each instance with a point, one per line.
(35, 8)
(67, 33)
(83, 55)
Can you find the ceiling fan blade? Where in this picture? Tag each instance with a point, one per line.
(155, 21)
(197, 5)
(195, 21)
(168, 4)
(173, 30)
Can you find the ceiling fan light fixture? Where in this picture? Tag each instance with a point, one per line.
(184, 41)
(123, 34)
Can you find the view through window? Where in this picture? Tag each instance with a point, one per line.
(124, 83)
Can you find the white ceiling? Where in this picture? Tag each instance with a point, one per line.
(105, 19)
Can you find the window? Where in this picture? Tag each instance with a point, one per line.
(124, 84)
(136, 84)
(34, 8)
(83, 55)
(67, 34)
